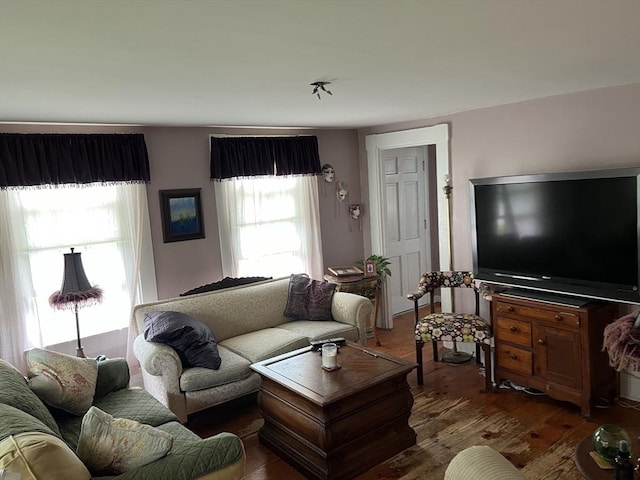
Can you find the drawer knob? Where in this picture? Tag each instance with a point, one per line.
(513, 328)
(541, 341)
(558, 318)
(513, 356)
(510, 308)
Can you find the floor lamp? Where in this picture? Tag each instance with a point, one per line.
(453, 356)
(76, 292)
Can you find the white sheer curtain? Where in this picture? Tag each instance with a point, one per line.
(13, 327)
(107, 224)
(269, 226)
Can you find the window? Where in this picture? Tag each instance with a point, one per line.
(269, 226)
(101, 223)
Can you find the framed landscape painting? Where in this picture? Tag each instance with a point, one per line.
(181, 212)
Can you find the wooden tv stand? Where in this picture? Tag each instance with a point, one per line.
(554, 348)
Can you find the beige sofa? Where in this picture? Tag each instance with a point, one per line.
(481, 462)
(249, 325)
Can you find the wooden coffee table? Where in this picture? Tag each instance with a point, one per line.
(335, 425)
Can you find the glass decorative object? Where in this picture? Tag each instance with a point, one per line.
(606, 439)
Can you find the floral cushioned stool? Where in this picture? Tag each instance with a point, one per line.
(454, 327)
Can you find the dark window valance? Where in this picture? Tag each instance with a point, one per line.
(233, 157)
(55, 159)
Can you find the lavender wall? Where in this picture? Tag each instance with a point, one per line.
(180, 159)
(594, 129)
(579, 131)
(586, 130)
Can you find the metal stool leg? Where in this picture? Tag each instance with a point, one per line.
(488, 369)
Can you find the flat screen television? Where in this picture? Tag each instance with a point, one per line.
(574, 233)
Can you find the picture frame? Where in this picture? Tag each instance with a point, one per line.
(181, 213)
(370, 268)
(344, 271)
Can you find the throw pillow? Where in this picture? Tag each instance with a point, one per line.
(62, 381)
(189, 337)
(111, 446)
(39, 455)
(309, 299)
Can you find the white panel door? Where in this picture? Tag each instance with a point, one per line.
(406, 235)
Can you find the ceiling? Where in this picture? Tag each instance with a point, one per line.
(250, 62)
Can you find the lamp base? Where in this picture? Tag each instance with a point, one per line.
(456, 357)
(80, 352)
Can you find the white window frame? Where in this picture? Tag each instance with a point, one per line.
(114, 239)
(254, 204)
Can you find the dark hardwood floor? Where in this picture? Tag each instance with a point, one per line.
(243, 418)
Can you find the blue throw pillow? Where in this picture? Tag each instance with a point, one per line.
(189, 337)
(309, 299)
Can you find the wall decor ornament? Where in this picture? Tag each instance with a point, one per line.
(181, 212)
(342, 191)
(355, 212)
(328, 173)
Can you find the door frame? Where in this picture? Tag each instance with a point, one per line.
(437, 135)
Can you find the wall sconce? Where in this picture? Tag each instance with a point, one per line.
(447, 186)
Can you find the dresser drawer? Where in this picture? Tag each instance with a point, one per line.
(513, 331)
(515, 359)
(556, 317)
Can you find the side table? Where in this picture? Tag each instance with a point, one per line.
(360, 285)
(587, 465)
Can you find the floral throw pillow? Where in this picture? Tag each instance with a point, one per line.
(111, 446)
(62, 381)
(309, 299)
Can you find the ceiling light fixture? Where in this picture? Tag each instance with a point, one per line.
(318, 87)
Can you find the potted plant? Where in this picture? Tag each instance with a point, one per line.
(382, 266)
(382, 270)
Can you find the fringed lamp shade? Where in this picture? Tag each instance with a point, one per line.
(76, 291)
(622, 343)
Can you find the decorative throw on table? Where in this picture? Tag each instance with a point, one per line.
(622, 342)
